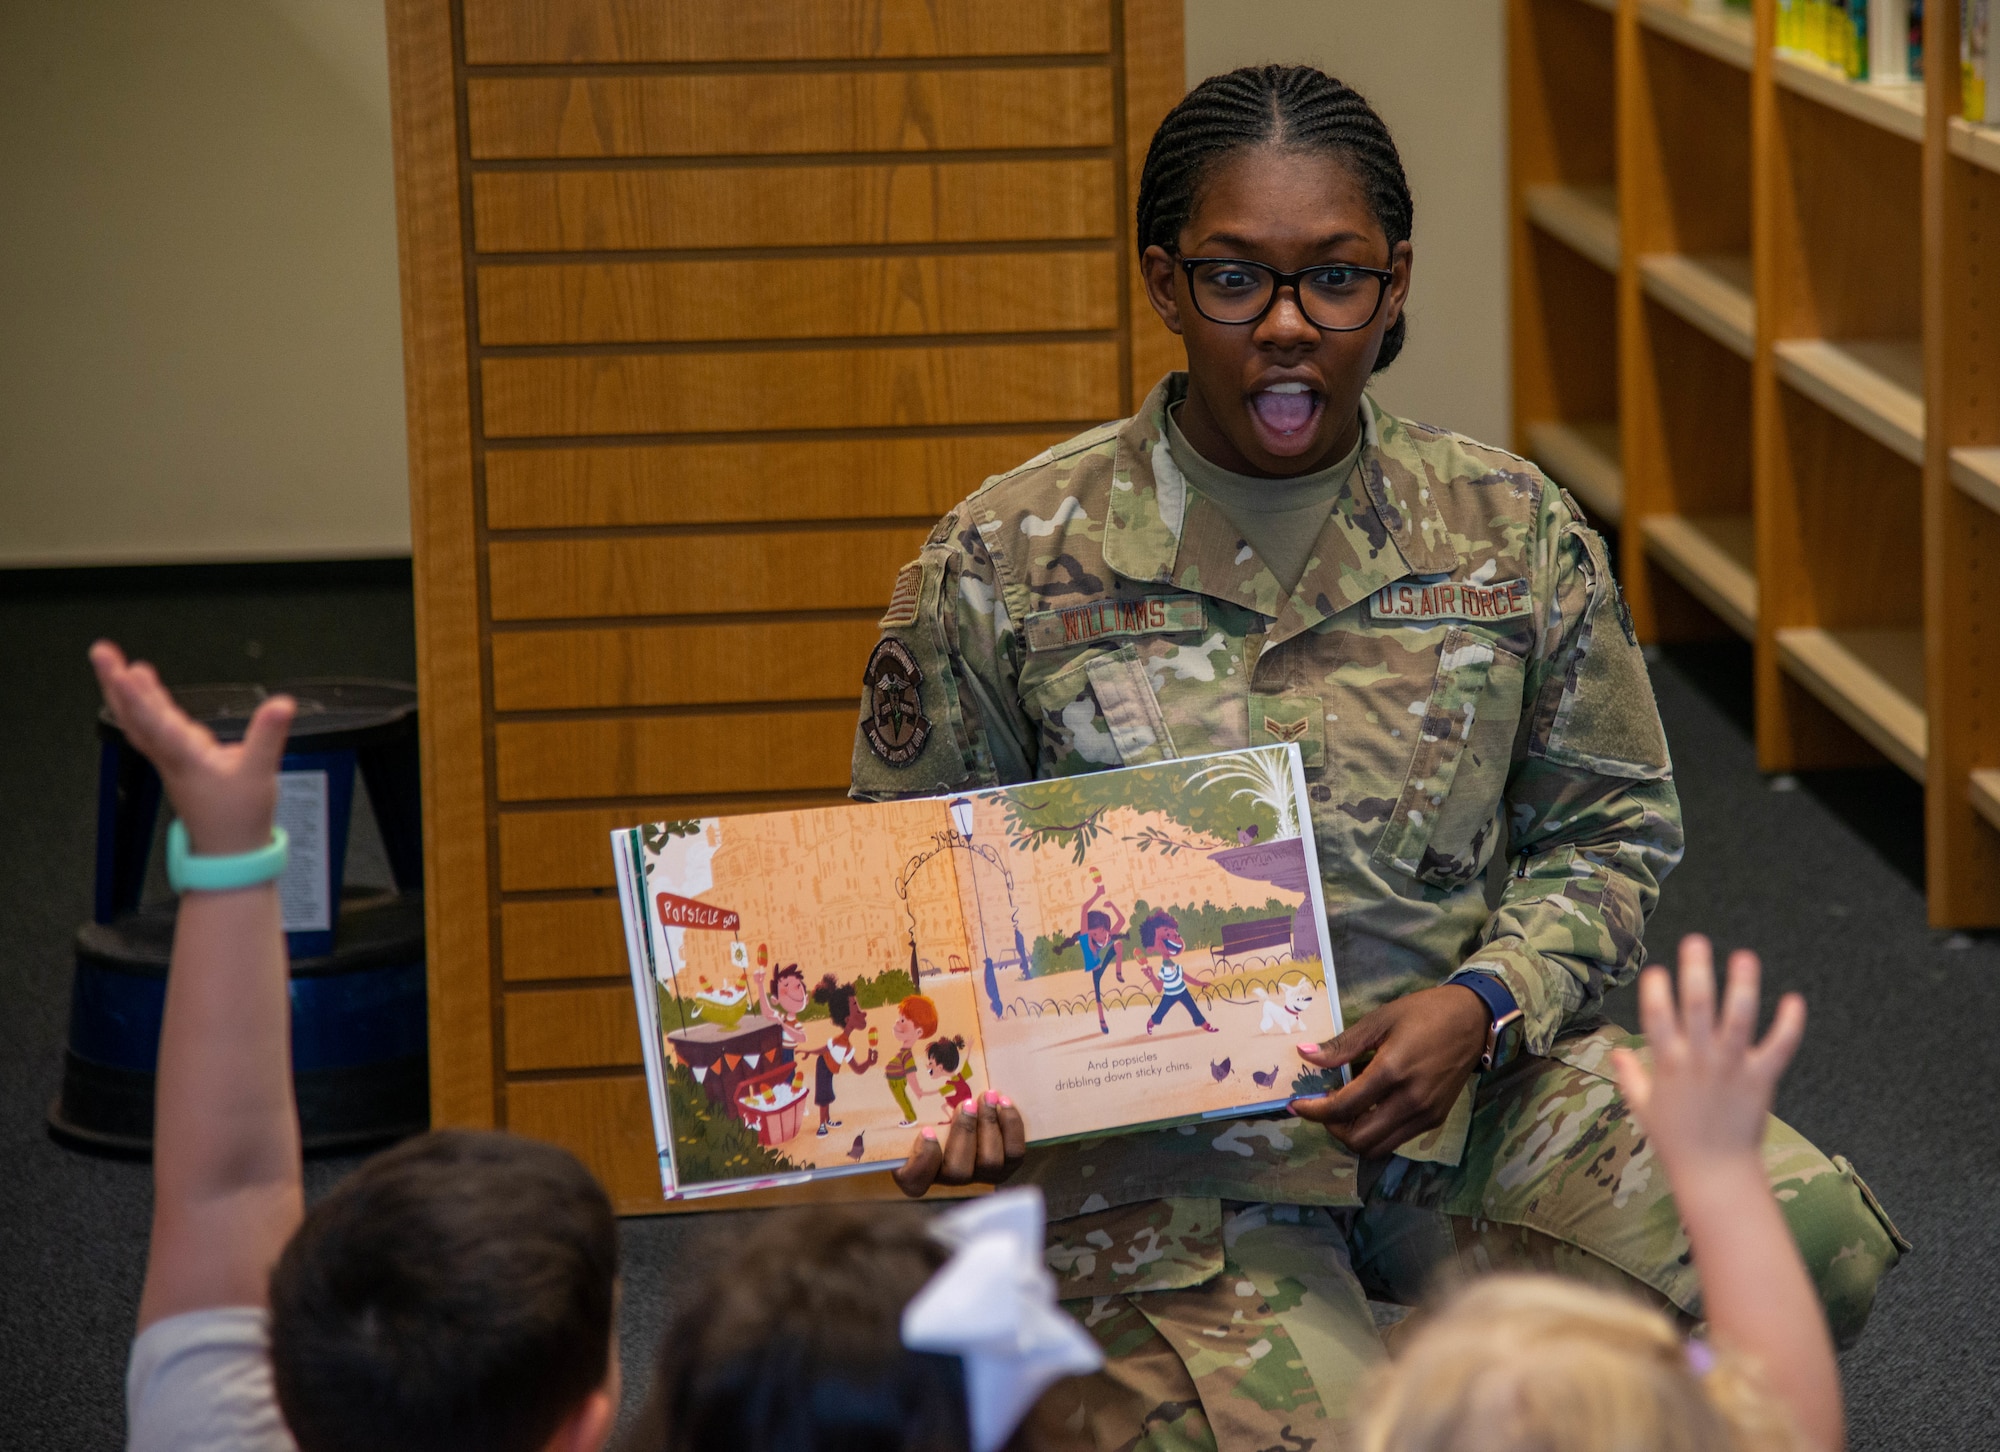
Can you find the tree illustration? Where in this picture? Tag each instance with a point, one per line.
(1214, 803)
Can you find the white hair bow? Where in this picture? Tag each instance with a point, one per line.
(993, 1305)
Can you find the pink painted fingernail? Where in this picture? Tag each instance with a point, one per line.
(992, 1096)
(930, 1134)
(1293, 1108)
(1005, 1102)
(1309, 1048)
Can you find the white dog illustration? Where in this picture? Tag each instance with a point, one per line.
(1281, 1016)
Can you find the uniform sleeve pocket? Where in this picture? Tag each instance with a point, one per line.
(1442, 826)
(1605, 719)
(1099, 710)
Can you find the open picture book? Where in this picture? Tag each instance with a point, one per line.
(1128, 948)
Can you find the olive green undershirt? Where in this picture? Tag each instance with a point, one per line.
(1278, 518)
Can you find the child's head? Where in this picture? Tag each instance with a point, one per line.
(840, 1001)
(789, 987)
(916, 1019)
(944, 1052)
(1161, 930)
(454, 1292)
(1099, 925)
(795, 1345)
(1543, 1364)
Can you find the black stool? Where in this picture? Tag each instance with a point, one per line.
(359, 1039)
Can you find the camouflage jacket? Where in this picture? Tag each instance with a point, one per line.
(1456, 666)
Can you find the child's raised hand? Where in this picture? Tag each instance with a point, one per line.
(986, 1143)
(1709, 1091)
(226, 795)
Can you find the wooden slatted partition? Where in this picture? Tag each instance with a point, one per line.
(709, 312)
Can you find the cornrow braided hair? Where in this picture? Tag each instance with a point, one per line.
(1296, 107)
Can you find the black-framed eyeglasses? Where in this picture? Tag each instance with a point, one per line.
(1337, 297)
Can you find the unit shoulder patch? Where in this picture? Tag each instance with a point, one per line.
(1103, 619)
(893, 719)
(1451, 600)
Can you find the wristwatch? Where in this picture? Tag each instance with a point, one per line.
(1504, 1031)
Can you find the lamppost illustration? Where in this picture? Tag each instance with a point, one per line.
(959, 838)
(961, 820)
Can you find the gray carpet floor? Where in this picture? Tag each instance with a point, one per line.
(1823, 875)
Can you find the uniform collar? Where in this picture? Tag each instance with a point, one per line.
(1383, 526)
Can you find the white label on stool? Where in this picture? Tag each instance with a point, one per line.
(304, 892)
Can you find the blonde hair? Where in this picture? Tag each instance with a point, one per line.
(1519, 1363)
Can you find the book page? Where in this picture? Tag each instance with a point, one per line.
(813, 985)
(1149, 940)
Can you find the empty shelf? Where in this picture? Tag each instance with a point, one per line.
(1584, 459)
(1730, 38)
(1872, 679)
(1878, 386)
(1584, 218)
(1898, 109)
(1713, 293)
(1715, 557)
(1976, 472)
(1979, 145)
(1983, 791)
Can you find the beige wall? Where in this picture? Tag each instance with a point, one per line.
(200, 353)
(200, 345)
(1435, 70)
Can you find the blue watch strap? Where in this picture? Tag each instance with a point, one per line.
(1503, 1033)
(189, 873)
(1499, 999)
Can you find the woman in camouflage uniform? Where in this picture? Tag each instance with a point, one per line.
(1261, 554)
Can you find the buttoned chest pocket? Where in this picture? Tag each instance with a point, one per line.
(1445, 823)
(1096, 710)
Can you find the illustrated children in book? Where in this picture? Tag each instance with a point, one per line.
(947, 1056)
(838, 1052)
(916, 1020)
(783, 1001)
(1163, 931)
(1099, 943)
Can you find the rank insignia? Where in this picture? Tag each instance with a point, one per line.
(894, 720)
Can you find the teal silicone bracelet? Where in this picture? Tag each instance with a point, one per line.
(189, 873)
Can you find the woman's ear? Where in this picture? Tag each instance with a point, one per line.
(1158, 269)
(1402, 257)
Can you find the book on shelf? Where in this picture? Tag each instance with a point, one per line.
(1866, 40)
(1979, 100)
(1127, 948)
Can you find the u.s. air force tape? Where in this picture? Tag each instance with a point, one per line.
(1451, 600)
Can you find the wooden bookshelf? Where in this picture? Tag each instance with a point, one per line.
(1714, 558)
(1585, 219)
(1898, 110)
(1687, 319)
(1567, 244)
(1872, 679)
(1875, 385)
(1976, 474)
(1961, 491)
(1805, 435)
(1729, 38)
(1583, 458)
(1982, 790)
(1979, 145)
(1713, 293)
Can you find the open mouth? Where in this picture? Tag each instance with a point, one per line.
(1286, 414)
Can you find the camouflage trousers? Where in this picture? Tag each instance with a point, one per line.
(1272, 1348)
